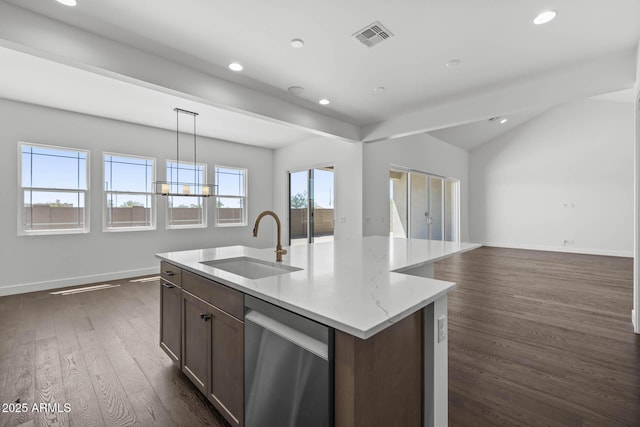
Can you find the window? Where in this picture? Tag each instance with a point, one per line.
(53, 190)
(128, 192)
(231, 196)
(186, 211)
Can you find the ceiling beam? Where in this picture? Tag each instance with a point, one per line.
(38, 35)
(581, 80)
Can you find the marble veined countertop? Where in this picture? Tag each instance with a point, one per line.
(347, 284)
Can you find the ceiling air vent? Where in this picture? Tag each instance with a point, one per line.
(372, 34)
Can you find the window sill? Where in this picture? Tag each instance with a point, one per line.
(244, 224)
(185, 227)
(52, 232)
(127, 229)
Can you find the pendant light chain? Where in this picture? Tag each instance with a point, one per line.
(171, 187)
(177, 149)
(195, 166)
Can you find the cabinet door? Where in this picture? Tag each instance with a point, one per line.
(196, 332)
(227, 367)
(171, 320)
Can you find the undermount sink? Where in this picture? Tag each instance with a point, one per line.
(251, 268)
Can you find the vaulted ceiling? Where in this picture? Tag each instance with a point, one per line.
(158, 53)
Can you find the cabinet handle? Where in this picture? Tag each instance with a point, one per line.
(205, 317)
(168, 286)
(169, 272)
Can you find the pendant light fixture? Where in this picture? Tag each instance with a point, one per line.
(176, 187)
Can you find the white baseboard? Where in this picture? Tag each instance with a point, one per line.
(74, 281)
(565, 249)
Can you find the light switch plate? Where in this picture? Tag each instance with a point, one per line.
(442, 328)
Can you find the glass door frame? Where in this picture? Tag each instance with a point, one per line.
(455, 202)
(310, 198)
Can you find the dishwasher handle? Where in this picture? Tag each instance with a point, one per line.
(290, 334)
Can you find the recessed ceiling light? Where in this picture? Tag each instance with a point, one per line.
(297, 43)
(545, 17)
(296, 90)
(324, 101)
(67, 2)
(453, 63)
(235, 66)
(503, 120)
(380, 89)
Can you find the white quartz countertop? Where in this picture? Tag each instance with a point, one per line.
(347, 284)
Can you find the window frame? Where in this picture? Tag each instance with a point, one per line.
(244, 199)
(105, 194)
(21, 192)
(204, 223)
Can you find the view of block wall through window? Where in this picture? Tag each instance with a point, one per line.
(231, 199)
(129, 202)
(54, 189)
(186, 211)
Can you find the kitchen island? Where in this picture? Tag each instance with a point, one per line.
(377, 296)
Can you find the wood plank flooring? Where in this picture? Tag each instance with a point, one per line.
(535, 339)
(541, 339)
(98, 352)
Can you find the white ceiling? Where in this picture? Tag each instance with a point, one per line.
(35, 80)
(496, 42)
(472, 135)
(625, 96)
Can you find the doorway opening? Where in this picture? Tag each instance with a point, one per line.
(311, 206)
(424, 206)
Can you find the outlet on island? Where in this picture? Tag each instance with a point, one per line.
(442, 328)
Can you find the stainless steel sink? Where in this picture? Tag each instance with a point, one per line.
(251, 268)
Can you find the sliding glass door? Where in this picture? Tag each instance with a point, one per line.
(298, 207)
(436, 208)
(451, 210)
(419, 205)
(311, 206)
(398, 203)
(423, 206)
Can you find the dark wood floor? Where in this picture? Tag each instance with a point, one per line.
(99, 352)
(535, 339)
(541, 339)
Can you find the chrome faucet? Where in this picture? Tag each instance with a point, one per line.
(279, 250)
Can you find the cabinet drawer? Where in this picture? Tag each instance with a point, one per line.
(221, 296)
(171, 273)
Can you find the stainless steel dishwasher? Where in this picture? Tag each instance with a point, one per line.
(288, 368)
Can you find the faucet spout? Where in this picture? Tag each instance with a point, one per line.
(279, 251)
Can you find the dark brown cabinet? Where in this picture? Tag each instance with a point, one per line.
(170, 322)
(196, 326)
(201, 329)
(227, 366)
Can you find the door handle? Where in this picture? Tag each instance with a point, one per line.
(169, 272)
(205, 316)
(168, 286)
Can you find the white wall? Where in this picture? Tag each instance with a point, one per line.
(418, 152)
(565, 175)
(346, 158)
(635, 315)
(43, 262)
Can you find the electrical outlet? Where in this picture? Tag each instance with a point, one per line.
(442, 328)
